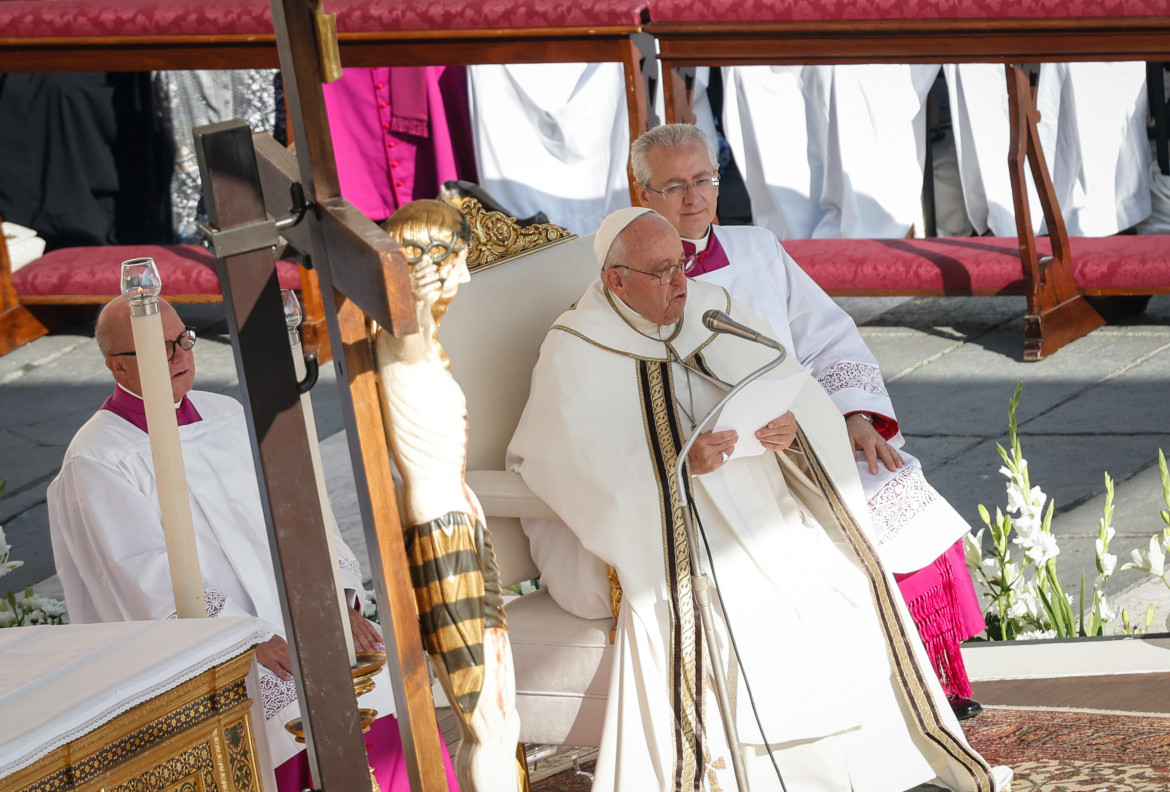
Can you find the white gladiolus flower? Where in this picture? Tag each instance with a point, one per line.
(1108, 564)
(1108, 612)
(1157, 558)
(1015, 498)
(53, 608)
(1042, 549)
(1027, 604)
(973, 549)
(6, 566)
(1036, 635)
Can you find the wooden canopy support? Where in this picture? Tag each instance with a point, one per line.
(17, 325)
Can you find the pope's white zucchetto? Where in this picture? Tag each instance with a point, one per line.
(611, 226)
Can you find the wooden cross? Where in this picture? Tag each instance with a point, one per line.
(362, 274)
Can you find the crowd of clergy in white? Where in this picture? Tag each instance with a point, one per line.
(832, 151)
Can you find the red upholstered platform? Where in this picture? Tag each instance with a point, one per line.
(94, 274)
(129, 18)
(978, 265)
(720, 11)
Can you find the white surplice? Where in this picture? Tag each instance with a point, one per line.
(1092, 131)
(839, 677)
(912, 524)
(830, 151)
(552, 138)
(110, 551)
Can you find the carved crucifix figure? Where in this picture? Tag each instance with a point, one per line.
(454, 572)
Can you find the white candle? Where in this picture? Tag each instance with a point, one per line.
(141, 285)
(292, 318)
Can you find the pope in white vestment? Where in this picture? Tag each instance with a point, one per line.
(916, 531)
(843, 693)
(110, 551)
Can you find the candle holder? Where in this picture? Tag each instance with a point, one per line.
(141, 285)
(363, 673)
(292, 315)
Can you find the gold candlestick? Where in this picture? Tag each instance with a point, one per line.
(363, 673)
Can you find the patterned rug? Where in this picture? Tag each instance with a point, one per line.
(1067, 750)
(1051, 750)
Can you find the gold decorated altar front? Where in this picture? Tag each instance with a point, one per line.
(129, 707)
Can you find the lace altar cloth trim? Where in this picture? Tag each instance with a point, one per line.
(848, 374)
(277, 694)
(900, 501)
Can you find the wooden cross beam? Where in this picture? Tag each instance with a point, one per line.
(363, 275)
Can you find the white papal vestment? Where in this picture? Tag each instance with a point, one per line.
(838, 675)
(110, 550)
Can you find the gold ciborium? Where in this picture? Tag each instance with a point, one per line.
(368, 666)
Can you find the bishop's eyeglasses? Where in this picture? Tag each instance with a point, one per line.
(675, 192)
(186, 340)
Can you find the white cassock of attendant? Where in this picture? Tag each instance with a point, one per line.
(911, 522)
(111, 553)
(552, 138)
(830, 151)
(839, 677)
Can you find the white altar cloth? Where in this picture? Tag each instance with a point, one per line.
(58, 683)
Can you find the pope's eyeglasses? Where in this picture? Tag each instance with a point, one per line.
(666, 275)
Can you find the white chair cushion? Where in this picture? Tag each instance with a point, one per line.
(562, 671)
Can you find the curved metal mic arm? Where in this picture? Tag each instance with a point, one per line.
(700, 584)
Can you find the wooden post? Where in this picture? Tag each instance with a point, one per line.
(17, 325)
(1057, 313)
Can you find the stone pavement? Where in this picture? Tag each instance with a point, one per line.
(951, 365)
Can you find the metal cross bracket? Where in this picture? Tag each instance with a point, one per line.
(257, 235)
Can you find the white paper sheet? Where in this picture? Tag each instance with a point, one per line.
(754, 406)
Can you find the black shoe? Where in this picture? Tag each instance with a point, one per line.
(965, 708)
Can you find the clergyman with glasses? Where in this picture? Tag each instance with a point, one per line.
(107, 534)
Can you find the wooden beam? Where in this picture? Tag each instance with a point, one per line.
(913, 41)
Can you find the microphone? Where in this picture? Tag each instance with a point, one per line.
(719, 322)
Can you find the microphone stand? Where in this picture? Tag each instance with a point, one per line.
(700, 584)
